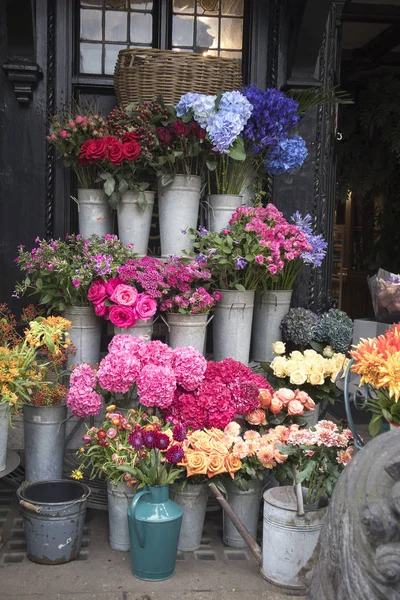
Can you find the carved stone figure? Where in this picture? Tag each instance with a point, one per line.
(360, 538)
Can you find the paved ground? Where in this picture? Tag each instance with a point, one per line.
(215, 572)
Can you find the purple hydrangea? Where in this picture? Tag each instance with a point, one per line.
(288, 155)
(273, 116)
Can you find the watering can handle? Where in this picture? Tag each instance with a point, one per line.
(132, 513)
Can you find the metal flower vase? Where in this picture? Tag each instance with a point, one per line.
(178, 210)
(269, 309)
(289, 539)
(312, 416)
(44, 440)
(119, 497)
(134, 222)
(154, 527)
(233, 317)
(4, 423)
(142, 329)
(220, 209)
(85, 334)
(94, 213)
(193, 501)
(246, 505)
(187, 330)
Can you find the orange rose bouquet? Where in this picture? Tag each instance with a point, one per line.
(284, 406)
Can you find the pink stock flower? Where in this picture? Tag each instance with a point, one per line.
(122, 316)
(156, 386)
(145, 307)
(124, 295)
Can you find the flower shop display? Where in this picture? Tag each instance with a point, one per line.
(60, 273)
(315, 459)
(253, 251)
(273, 297)
(68, 137)
(312, 372)
(127, 309)
(376, 360)
(385, 295)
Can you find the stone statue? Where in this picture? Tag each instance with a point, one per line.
(360, 540)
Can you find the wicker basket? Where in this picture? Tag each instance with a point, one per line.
(147, 73)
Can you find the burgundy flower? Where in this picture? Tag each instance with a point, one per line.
(179, 433)
(149, 439)
(180, 128)
(136, 439)
(130, 136)
(174, 454)
(162, 440)
(165, 134)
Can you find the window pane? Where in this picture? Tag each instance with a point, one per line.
(119, 4)
(183, 6)
(141, 5)
(116, 26)
(110, 57)
(232, 7)
(207, 32)
(90, 58)
(91, 24)
(231, 33)
(141, 28)
(207, 7)
(92, 3)
(229, 54)
(182, 31)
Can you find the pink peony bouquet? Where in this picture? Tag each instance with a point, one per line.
(283, 405)
(120, 303)
(228, 389)
(153, 369)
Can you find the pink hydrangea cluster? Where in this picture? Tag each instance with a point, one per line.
(191, 302)
(82, 399)
(120, 303)
(284, 242)
(156, 385)
(228, 388)
(189, 367)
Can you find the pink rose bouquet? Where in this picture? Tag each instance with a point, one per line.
(120, 303)
(283, 405)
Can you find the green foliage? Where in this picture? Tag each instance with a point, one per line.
(312, 97)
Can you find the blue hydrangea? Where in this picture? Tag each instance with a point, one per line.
(223, 129)
(235, 102)
(273, 116)
(288, 155)
(202, 106)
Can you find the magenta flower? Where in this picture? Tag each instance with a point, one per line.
(174, 454)
(122, 316)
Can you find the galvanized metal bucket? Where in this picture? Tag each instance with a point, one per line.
(134, 223)
(269, 309)
(233, 316)
(54, 518)
(289, 540)
(187, 330)
(44, 439)
(193, 500)
(246, 505)
(142, 329)
(85, 334)
(4, 423)
(119, 497)
(94, 213)
(312, 416)
(178, 209)
(220, 209)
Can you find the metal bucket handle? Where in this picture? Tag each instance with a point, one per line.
(169, 328)
(132, 513)
(358, 442)
(37, 509)
(76, 201)
(238, 304)
(210, 208)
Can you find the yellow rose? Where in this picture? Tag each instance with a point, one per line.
(298, 377)
(279, 348)
(310, 354)
(296, 355)
(278, 366)
(292, 365)
(317, 370)
(202, 443)
(196, 463)
(316, 379)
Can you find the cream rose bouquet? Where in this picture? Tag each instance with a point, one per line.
(310, 371)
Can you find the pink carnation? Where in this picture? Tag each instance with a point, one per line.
(156, 385)
(83, 402)
(189, 366)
